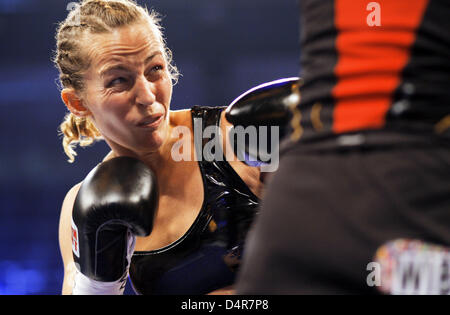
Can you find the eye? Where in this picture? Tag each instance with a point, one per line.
(117, 81)
(157, 68)
(155, 73)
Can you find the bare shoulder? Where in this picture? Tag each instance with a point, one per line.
(250, 175)
(180, 117)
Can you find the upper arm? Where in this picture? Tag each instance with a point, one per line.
(249, 174)
(65, 238)
(225, 126)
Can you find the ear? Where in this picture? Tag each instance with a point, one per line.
(73, 103)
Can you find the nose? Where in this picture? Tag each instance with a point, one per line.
(145, 91)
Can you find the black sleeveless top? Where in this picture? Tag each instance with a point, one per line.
(208, 255)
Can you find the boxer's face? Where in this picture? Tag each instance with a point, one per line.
(128, 88)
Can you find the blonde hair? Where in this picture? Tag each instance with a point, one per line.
(93, 17)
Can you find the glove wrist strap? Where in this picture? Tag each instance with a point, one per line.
(86, 286)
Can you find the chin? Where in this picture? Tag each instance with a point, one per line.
(155, 141)
(151, 140)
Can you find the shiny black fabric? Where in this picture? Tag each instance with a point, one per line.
(208, 255)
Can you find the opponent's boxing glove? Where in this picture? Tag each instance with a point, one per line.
(116, 202)
(267, 109)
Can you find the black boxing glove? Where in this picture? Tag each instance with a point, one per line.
(262, 115)
(116, 202)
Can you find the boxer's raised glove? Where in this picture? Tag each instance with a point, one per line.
(116, 202)
(265, 109)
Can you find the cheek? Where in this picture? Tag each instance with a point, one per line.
(111, 112)
(165, 91)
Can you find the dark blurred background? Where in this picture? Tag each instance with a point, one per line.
(221, 47)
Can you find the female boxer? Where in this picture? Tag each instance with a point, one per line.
(117, 77)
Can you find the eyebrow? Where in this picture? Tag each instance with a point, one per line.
(120, 67)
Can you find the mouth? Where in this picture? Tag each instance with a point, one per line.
(151, 122)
